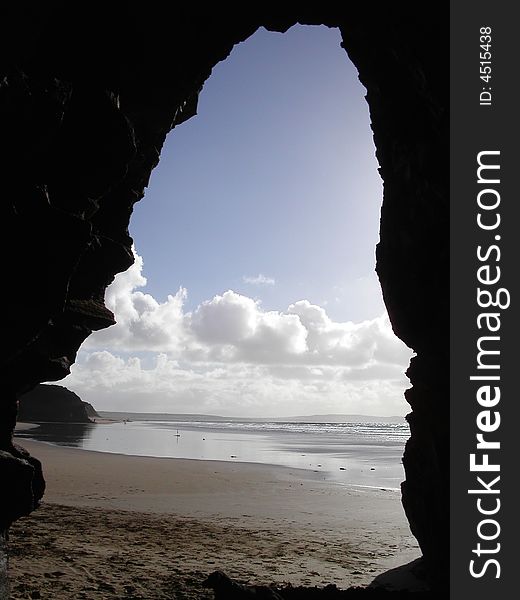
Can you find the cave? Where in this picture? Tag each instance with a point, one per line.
(87, 101)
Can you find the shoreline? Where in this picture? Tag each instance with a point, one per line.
(342, 458)
(305, 473)
(70, 472)
(255, 522)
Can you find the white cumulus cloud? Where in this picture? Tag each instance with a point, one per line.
(230, 355)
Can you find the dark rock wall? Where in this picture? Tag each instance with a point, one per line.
(53, 403)
(4, 585)
(408, 94)
(86, 100)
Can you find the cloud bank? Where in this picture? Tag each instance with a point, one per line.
(230, 356)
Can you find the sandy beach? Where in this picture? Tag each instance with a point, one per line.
(115, 526)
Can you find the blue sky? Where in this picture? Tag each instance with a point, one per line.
(276, 175)
(253, 292)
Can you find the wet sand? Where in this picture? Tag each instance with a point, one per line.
(115, 526)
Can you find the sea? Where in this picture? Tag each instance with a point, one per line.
(363, 454)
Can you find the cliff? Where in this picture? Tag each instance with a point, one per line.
(54, 403)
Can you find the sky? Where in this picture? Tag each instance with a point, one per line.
(254, 291)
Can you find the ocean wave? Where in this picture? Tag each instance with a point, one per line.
(384, 432)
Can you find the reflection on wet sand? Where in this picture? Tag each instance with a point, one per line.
(62, 434)
(333, 452)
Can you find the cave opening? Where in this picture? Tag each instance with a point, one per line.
(256, 238)
(75, 248)
(254, 294)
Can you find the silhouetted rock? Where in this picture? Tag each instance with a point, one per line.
(410, 577)
(26, 484)
(227, 589)
(53, 403)
(4, 584)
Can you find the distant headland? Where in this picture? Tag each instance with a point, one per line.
(54, 403)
